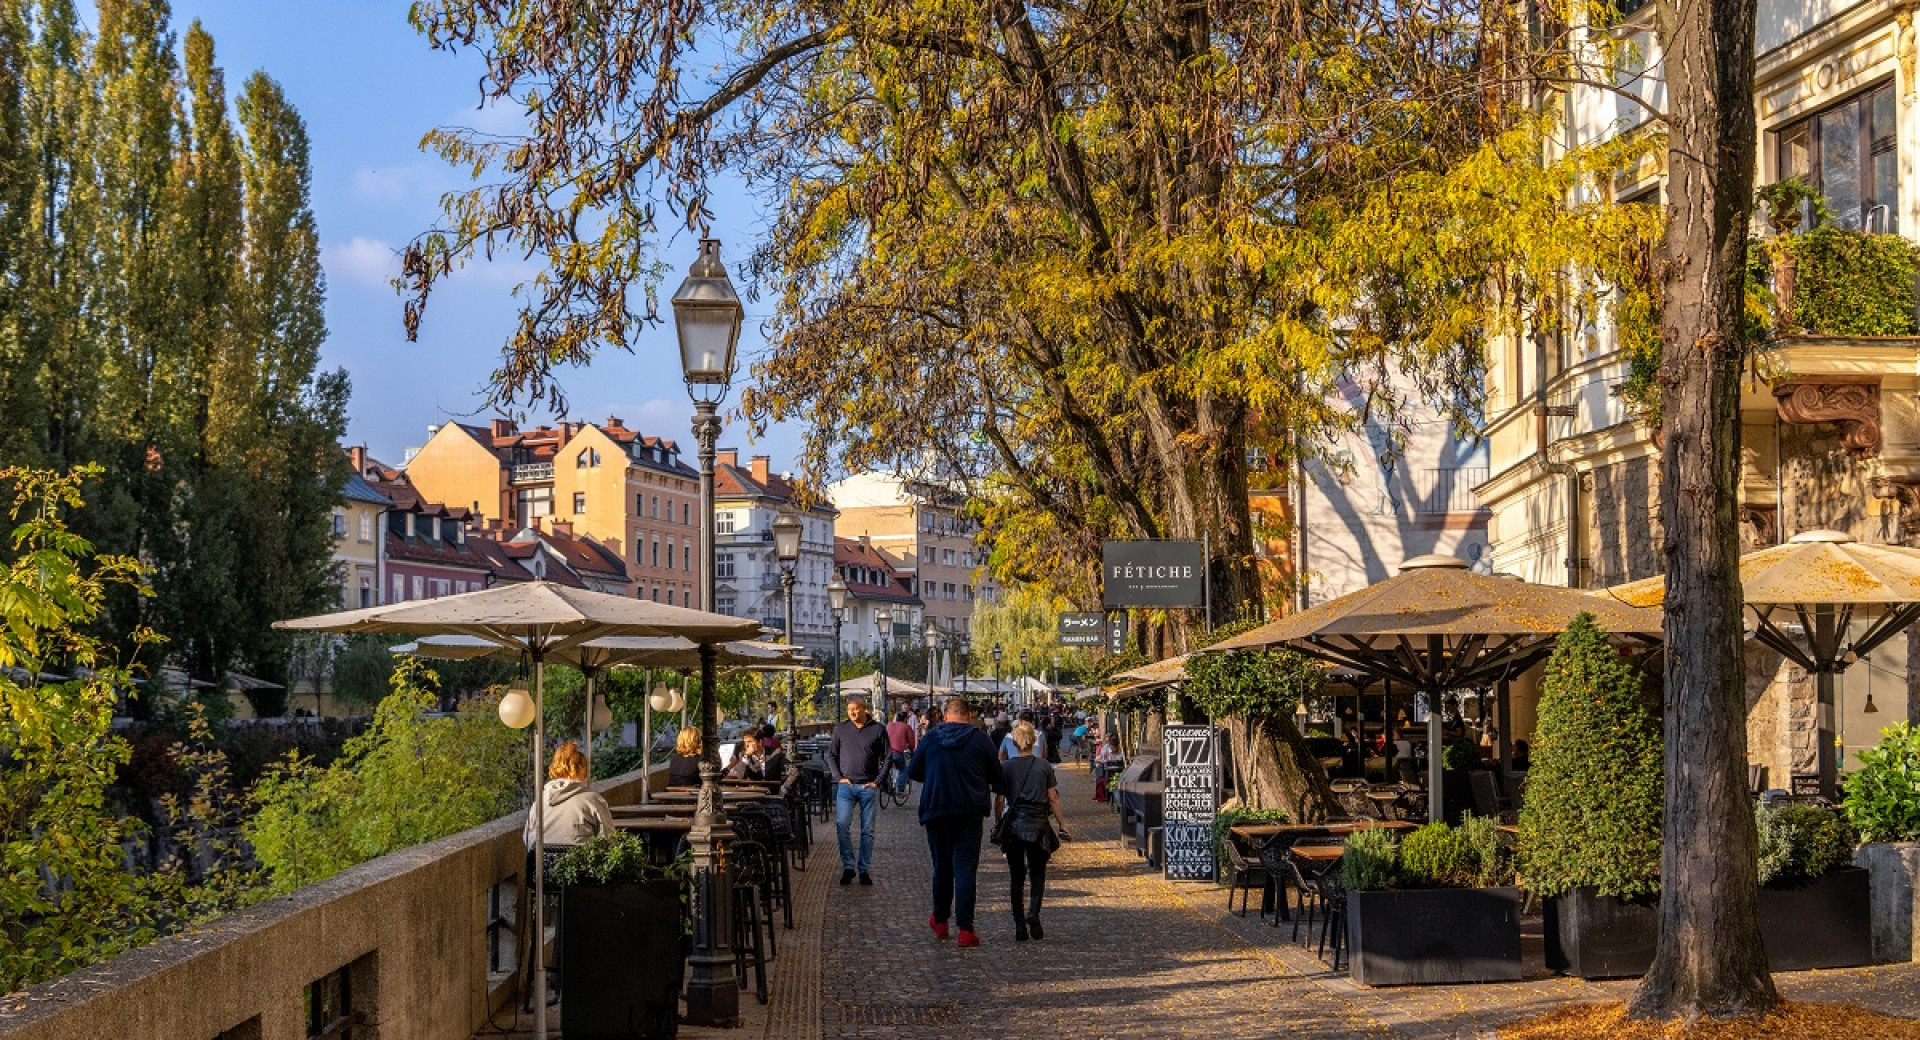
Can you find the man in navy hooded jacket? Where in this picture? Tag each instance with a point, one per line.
(958, 770)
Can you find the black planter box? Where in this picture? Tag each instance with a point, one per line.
(1599, 938)
(620, 961)
(1823, 923)
(1425, 936)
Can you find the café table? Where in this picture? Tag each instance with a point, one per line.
(661, 833)
(1318, 853)
(1261, 832)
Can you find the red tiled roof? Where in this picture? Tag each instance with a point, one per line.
(434, 551)
(500, 557)
(850, 556)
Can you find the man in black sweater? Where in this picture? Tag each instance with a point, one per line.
(856, 759)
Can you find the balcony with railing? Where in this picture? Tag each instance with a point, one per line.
(1439, 490)
(533, 473)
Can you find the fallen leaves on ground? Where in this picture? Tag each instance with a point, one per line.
(1790, 1021)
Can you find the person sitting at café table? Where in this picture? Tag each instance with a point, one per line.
(572, 812)
(752, 762)
(683, 768)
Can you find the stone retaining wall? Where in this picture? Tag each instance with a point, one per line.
(410, 930)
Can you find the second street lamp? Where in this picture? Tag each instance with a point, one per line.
(706, 318)
(787, 530)
(997, 652)
(1026, 696)
(933, 643)
(837, 602)
(883, 620)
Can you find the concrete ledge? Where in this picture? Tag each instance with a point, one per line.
(1895, 867)
(410, 925)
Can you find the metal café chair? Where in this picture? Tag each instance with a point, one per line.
(1243, 876)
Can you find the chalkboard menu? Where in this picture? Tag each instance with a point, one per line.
(1191, 765)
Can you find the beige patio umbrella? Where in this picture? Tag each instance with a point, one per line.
(541, 620)
(1438, 626)
(1804, 595)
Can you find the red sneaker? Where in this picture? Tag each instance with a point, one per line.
(939, 927)
(967, 939)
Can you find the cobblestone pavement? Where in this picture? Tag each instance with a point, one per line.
(1127, 955)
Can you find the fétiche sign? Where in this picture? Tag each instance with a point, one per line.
(1082, 628)
(1153, 574)
(1190, 763)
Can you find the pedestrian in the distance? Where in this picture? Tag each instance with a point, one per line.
(1028, 823)
(958, 772)
(856, 759)
(901, 740)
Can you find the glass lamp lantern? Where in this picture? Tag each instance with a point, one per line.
(707, 316)
(786, 537)
(837, 596)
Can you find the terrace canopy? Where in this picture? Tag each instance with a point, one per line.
(541, 620)
(1804, 596)
(1438, 626)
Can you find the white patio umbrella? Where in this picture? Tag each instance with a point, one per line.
(540, 620)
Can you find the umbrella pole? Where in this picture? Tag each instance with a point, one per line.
(1824, 734)
(539, 851)
(1434, 809)
(646, 741)
(586, 724)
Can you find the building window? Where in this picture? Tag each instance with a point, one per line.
(656, 593)
(339, 524)
(419, 587)
(535, 502)
(927, 554)
(366, 591)
(946, 557)
(639, 504)
(656, 555)
(723, 565)
(587, 459)
(1848, 152)
(723, 605)
(967, 591)
(366, 527)
(685, 514)
(399, 588)
(579, 501)
(948, 590)
(653, 506)
(723, 523)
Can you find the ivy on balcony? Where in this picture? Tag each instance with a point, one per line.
(1830, 281)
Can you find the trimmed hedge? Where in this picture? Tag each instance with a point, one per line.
(1593, 808)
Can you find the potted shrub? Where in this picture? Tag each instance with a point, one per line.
(1438, 906)
(1590, 828)
(621, 958)
(1814, 909)
(1882, 802)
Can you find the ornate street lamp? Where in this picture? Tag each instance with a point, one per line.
(966, 648)
(837, 601)
(787, 530)
(883, 620)
(706, 317)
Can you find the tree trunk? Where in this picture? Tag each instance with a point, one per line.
(1274, 770)
(1709, 960)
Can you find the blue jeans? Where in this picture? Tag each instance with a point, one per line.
(845, 797)
(954, 842)
(900, 772)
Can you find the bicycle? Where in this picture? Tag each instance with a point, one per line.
(896, 795)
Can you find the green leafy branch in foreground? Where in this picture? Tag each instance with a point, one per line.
(408, 779)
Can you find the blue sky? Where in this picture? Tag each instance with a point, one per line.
(368, 88)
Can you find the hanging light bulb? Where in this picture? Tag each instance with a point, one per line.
(679, 701)
(516, 708)
(663, 699)
(602, 716)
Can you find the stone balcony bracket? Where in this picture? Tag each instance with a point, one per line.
(1853, 405)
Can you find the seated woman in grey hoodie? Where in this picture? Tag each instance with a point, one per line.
(574, 812)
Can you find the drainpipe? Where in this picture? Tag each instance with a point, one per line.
(1543, 456)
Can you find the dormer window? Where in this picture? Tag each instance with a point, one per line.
(588, 459)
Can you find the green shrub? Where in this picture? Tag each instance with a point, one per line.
(1437, 856)
(609, 859)
(1371, 861)
(1593, 807)
(1882, 797)
(1801, 842)
(1493, 859)
(615, 761)
(1459, 753)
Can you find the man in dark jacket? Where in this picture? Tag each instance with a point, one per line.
(958, 771)
(856, 759)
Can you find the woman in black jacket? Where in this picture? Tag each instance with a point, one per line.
(1023, 831)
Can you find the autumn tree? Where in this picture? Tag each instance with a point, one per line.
(1083, 260)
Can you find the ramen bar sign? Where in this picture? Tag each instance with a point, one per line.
(1191, 768)
(1082, 629)
(1153, 574)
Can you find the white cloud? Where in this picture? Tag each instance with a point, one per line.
(364, 261)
